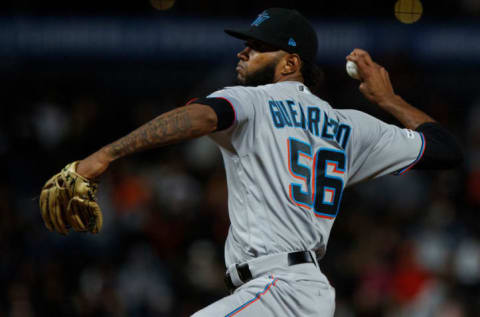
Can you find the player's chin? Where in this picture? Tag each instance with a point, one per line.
(240, 79)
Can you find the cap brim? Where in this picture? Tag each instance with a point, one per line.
(240, 34)
(249, 35)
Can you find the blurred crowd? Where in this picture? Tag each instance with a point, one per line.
(401, 246)
(325, 9)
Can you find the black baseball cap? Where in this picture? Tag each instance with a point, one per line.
(284, 29)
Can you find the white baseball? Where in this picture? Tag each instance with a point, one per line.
(352, 70)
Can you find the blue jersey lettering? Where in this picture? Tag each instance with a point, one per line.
(290, 114)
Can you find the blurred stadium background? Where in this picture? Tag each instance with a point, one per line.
(77, 75)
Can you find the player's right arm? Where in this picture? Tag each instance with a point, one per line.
(184, 123)
(441, 149)
(376, 86)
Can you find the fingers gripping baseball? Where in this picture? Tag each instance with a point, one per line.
(375, 82)
(67, 200)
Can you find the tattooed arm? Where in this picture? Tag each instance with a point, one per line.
(181, 124)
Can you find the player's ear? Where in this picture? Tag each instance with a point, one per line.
(292, 64)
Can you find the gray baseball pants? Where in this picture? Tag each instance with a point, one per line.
(299, 291)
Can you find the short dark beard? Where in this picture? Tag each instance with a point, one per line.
(262, 76)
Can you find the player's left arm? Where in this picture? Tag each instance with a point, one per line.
(184, 123)
(68, 199)
(441, 150)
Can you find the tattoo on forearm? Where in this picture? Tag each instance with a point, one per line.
(165, 129)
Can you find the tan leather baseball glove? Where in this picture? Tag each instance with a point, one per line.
(68, 201)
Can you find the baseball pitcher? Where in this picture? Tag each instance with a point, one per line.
(288, 157)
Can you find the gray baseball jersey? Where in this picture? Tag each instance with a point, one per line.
(288, 157)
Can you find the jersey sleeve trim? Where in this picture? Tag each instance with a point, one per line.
(233, 108)
(419, 157)
(226, 115)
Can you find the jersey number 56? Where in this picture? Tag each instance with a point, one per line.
(322, 177)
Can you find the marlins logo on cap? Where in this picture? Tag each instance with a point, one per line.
(283, 29)
(261, 17)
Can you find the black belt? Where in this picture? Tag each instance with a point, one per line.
(245, 275)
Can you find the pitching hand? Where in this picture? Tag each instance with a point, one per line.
(375, 82)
